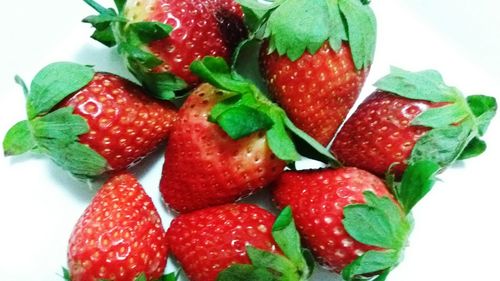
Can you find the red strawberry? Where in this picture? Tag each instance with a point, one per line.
(89, 122)
(119, 237)
(318, 198)
(315, 76)
(231, 237)
(413, 116)
(204, 166)
(172, 34)
(317, 90)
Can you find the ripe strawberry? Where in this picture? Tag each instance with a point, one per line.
(171, 34)
(89, 122)
(229, 238)
(315, 76)
(347, 217)
(317, 90)
(204, 166)
(119, 236)
(413, 116)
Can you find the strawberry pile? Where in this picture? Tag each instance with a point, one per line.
(200, 65)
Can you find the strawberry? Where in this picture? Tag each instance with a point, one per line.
(160, 38)
(413, 116)
(204, 166)
(348, 217)
(89, 122)
(226, 143)
(119, 236)
(237, 242)
(315, 76)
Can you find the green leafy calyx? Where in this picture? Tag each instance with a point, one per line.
(53, 131)
(379, 222)
(456, 122)
(132, 38)
(245, 110)
(294, 265)
(296, 26)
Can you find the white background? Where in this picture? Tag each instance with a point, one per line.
(457, 226)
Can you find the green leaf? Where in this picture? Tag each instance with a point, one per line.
(215, 71)
(416, 182)
(379, 222)
(54, 83)
(145, 59)
(253, 17)
(103, 21)
(260, 5)
(285, 269)
(361, 29)
(18, 139)
(241, 121)
(148, 31)
(105, 36)
(161, 85)
(298, 25)
(100, 9)
(120, 5)
(370, 262)
(424, 85)
(288, 239)
(484, 108)
(66, 274)
(309, 147)
(141, 277)
(245, 272)
(337, 29)
(172, 276)
(280, 142)
(441, 145)
(474, 148)
(61, 124)
(441, 116)
(78, 159)
(21, 83)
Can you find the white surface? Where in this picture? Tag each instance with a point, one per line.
(457, 225)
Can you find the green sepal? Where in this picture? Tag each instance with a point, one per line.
(239, 91)
(120, 5)
(103, 23)
(441, 145)
(141, 277)
(60, 124)
(241, 121)
(145, 59)
(295, 265)
(424, 85)
(172, 276)
(80, 160)
(474, 148)
(23, 85)
(66, 276)
(417, 181)
(54, 83)
(441, 116)
(245, 272)
(296, 26)
(484, 108)
(18, 139)
(369, 263)
(379, 222)
(147, 32)
(362, 31)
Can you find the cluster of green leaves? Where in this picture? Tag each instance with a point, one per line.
(383, 223)
(131, 39)
(56, 132)
(294, 26)
(296, 264)
(245, 110)
(456, 125)
(141, 277)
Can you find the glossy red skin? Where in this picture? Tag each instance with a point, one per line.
(119, 236)
(379, 133)
(316, 91)
(125, 124)
(204, 166)
(206, 242)
(201, 28)
(317, 199)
